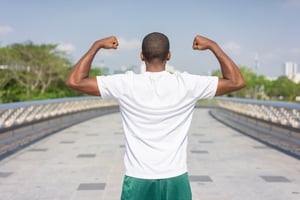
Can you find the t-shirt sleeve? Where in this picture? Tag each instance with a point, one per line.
(203, 87)
(111, 86)
(210, 88)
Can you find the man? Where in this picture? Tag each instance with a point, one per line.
(156, 109)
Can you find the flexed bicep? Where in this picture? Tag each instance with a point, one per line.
(87, 86)
(79, 79)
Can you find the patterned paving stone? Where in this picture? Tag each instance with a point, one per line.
(91, 186)
(275, 179)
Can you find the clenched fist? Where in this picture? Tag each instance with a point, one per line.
(107, 43)
(202, 43)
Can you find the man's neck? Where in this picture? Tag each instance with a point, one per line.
(155, 68)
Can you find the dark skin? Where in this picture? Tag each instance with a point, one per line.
(232, 79)
(79, 79)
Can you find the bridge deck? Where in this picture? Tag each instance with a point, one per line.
(86, 162)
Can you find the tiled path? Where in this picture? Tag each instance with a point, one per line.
(85, 162)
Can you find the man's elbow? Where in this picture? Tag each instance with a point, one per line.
(241, 84)
(68, 83)
(71, 84)
(238, 86)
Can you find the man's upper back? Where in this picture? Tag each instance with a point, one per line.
(157, 89)
(156, 109)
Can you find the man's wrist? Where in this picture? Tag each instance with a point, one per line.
(96, 46)
(214, 46)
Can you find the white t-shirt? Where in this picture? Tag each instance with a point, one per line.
(156, 110)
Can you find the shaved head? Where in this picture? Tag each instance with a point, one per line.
(155, 47)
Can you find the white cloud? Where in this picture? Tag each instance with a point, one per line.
(4, 30)
(133, 44)
(107, 53)
(291, 3)
(232, 46)
(65, 47)
(295, 51)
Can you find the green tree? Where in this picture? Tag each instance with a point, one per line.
(283, 89)
(298, 89)
(34, 68)
(5, 79)
(249, 76)
(255, 84)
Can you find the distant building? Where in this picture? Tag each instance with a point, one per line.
(296, 79)
(290, 71)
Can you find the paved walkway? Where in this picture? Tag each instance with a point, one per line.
(85, 162)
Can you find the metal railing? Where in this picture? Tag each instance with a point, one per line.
(286, 114)
(275, 123)
(25, 122)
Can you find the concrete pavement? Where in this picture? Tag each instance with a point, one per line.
(85, 162)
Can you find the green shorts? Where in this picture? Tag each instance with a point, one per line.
(175, 188)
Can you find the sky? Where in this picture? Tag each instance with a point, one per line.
(259, 34)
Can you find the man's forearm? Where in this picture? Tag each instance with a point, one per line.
(229, 69)
(232, 78)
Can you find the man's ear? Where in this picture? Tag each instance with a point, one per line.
(169, 56)
(142, 56)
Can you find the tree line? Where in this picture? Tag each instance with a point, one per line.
(262, 88)
(31, 71)
(34, 72)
